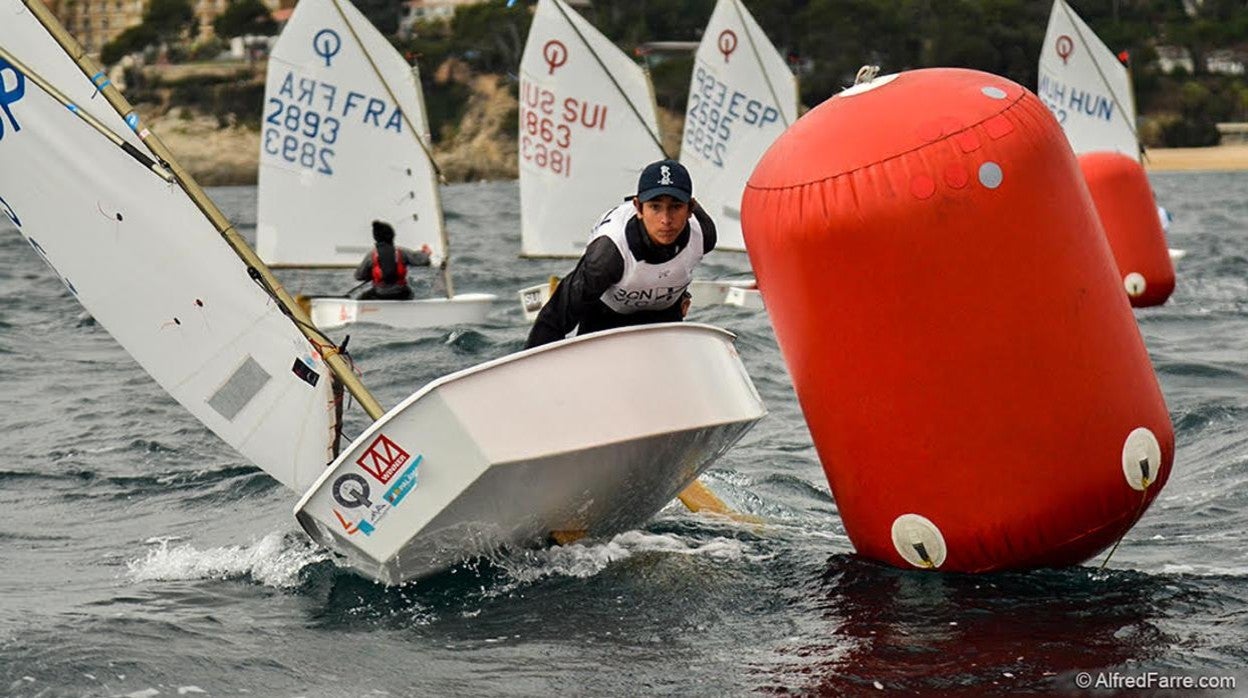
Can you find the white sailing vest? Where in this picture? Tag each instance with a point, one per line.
(646, 286)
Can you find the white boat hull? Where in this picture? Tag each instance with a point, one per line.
(532, 298)
(462, 309)
(560, 438)
(742, 293)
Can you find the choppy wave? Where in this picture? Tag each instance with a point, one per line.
(276, 560)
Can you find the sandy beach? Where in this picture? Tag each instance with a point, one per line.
(1213, 159)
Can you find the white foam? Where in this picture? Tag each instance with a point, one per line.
(273, 561)
(588, 558)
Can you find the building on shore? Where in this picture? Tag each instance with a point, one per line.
(94, 23)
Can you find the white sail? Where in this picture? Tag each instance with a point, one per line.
(24, 37)
(587, 128)
(336, 150)
(153, 271)
(1086, 87)
(742, 96)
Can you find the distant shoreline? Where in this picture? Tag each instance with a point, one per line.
(230, 156)
(1218, 158)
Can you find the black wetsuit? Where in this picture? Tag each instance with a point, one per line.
(577, 298)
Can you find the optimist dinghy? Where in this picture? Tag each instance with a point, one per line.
(741, 97)
(742, 293)
(345, 142)
(1088, 89)
(505, 453)
(544, 441)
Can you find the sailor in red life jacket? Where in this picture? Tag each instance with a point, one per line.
(639, 262)
(386, 266)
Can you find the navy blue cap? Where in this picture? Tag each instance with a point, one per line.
(664, 177)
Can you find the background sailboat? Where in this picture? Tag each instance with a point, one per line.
(568, 63)
(345, 141)
(742, 96)
(1088, 89)
(158, 265)
(587, 128)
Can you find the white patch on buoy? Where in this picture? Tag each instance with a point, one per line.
(1141, 458)
(990, 175)
(1134, 283)
(919, 541)
(994, 92)
(867, 86)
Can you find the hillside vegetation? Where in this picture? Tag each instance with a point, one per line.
(469, 64)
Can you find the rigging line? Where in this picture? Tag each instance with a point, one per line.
(320, 340)
(1100, 73)
(1135, 519)
(147, 162)
(611, 76)
(437, 195)
(75, 52)
(736, 5)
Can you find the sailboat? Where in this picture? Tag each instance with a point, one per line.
(466, 465)
(587, 108)
(742, 96)
(587, 128)
(1089, 91)
(345, 141)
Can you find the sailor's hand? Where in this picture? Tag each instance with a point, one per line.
(427, 250)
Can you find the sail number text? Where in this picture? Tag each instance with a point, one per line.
(302, 121)
(712, 113)
(548, 126)
(300, 136)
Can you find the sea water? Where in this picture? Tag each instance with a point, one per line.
(140, 556)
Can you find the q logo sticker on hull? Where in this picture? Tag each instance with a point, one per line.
(351, 491)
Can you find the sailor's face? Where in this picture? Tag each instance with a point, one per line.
(663, 217)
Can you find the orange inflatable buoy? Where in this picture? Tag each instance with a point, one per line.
(1128, 213)
(950, 312)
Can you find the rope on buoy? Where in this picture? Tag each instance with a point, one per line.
(866, 73)
(1147, 479)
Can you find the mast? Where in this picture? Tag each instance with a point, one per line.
(261, 273)
(437, 190)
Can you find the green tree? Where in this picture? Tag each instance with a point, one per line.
(490, 36)
(170, 20)
(384, 14)
(244, 17)
(134, 39)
